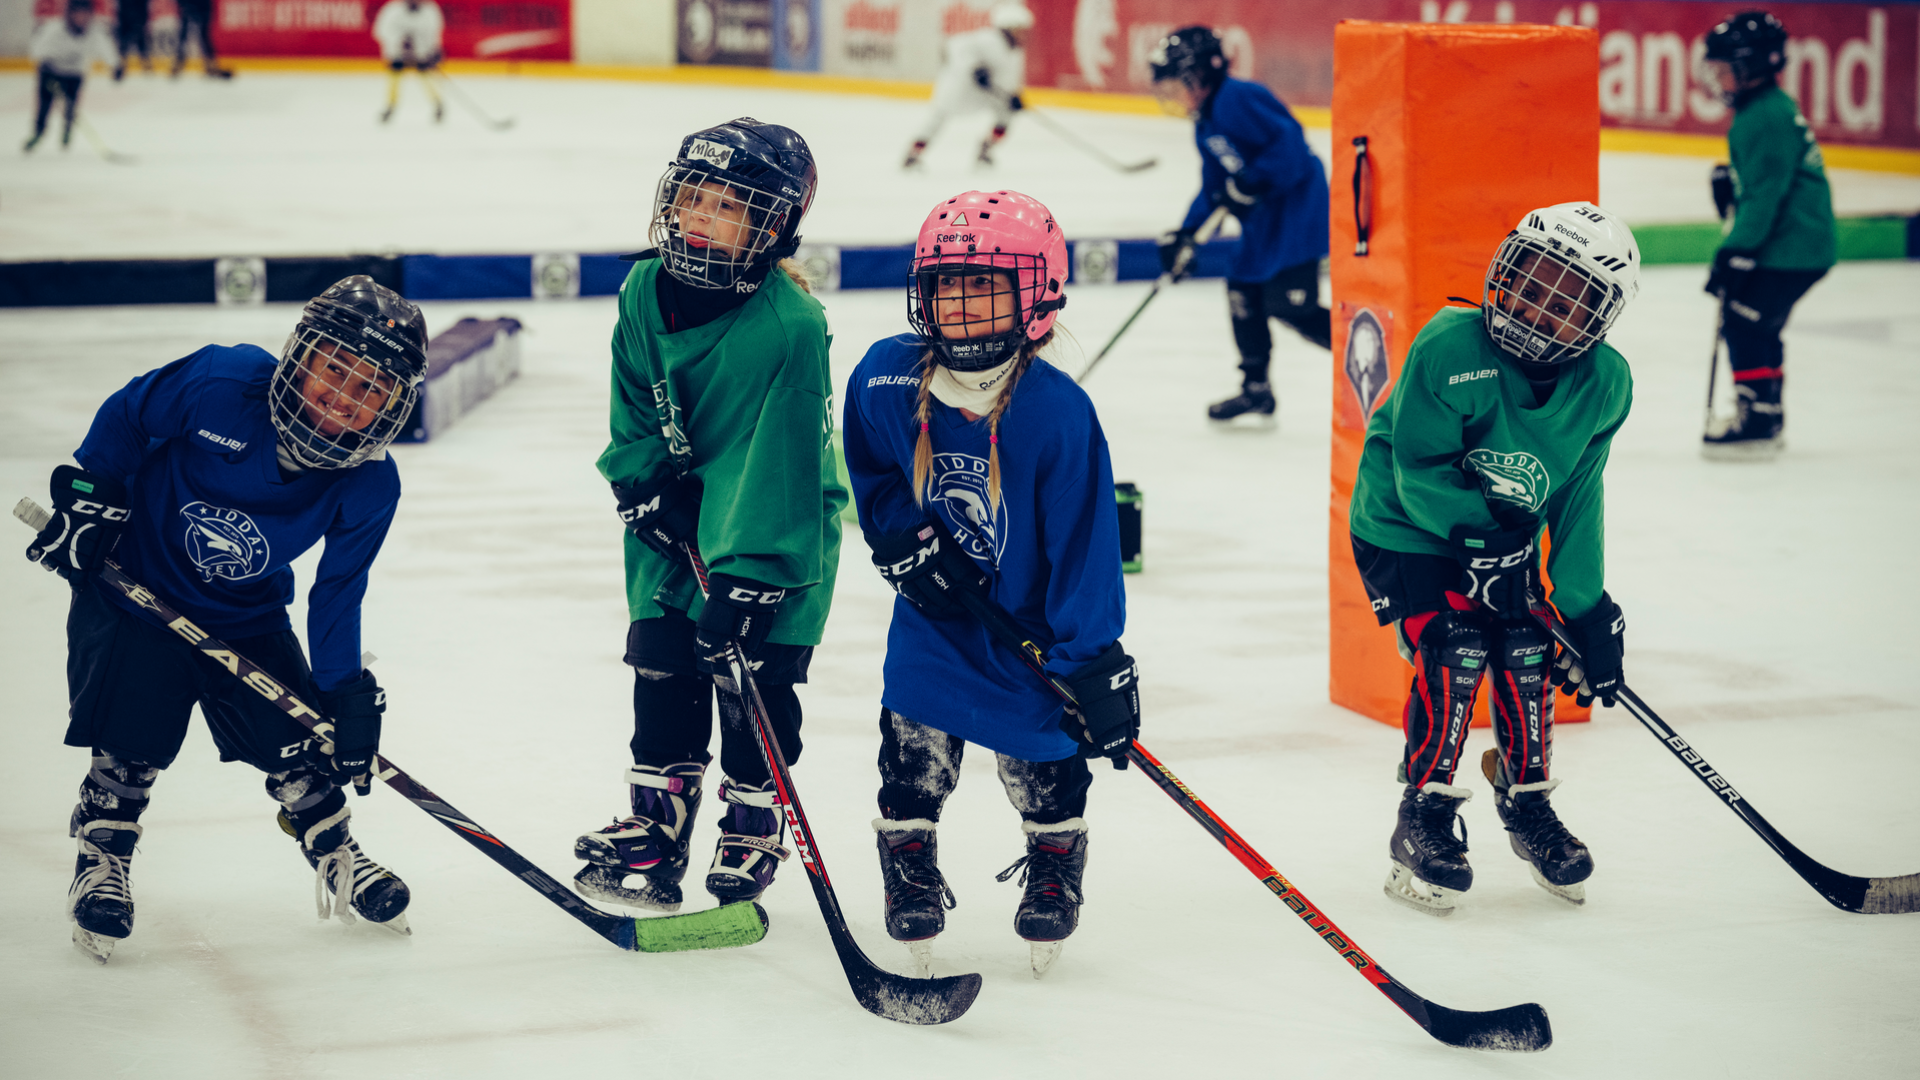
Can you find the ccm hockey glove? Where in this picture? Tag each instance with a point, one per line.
(1176, 253)
(925, 565)
(662, 513)
(1496, 568)
(737, 610)
(1730, 269)
(89, 514)
(353, 708)
(1108, 718)
(1595, 673)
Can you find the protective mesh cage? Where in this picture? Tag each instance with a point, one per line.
(333, 406)
(1541, 306)
(974, 309)
(712, 232)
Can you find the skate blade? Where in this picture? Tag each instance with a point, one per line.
(1575, 894)
(1404, 887)
(1756, 450)
(97, 947)
(1042, 955)
(1246, 422)
(922, 953)
(593, 887)
(396, 925)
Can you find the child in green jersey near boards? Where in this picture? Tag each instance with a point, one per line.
(1781, 238)
(1499, 424)
(722, 417)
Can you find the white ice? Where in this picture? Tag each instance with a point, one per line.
(1768, 609)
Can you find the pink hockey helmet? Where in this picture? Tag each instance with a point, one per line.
(988, 273)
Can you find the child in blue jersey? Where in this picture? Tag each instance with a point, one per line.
(204, 480)
(1032, 529)
(1255, 163)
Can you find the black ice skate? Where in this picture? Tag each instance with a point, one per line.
(1429, 868)
(1255, 399)
(1560, 862)
(638, 861)
(101, 898)
(347, 883)
(916, 893)
(1754, 433)
(749, 850)
(1051, 870)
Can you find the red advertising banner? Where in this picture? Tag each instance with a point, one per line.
(475, 29)
(1853, 68)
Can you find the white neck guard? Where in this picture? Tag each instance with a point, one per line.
(974, 391)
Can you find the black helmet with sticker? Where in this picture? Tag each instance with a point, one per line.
(730, 205)
(349, 375)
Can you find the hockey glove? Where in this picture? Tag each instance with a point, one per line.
(1595, 673)
(89, 514)
(663, 513)
(925, 565)
(1176, 253)
(1496, 568)
(1721, 180)
(1015, 103)
(737, 610)
(347, 748)
(1730, 269)
(1108, 717)
(1242, 197)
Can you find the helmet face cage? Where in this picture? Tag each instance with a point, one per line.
(334, 405)
(713, 231)
(974, 310)
(1542, 307)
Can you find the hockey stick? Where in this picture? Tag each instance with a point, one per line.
(1863, 895)
(1713, 360)
(100, 145)
(1516, 1028)
(1166, 278)
(470, 105)
(723, 927)
(1105, 158)
(882, 993)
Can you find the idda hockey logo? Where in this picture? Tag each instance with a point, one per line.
(1517, 478)
(223, 543)
(959, 484)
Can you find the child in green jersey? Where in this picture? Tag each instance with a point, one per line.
(1781, 238)
(1499, 424)
(722, 423)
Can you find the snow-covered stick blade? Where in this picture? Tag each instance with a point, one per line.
(904, 1000)
(1518, 1028)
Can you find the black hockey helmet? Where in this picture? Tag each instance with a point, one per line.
(1752, 43)
(1191, 54)
(772, 176)
(349, 375)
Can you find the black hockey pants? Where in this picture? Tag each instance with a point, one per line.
(130, 30)
(673, 702)
(51, 84)
(1293, 297)
(920, 767)
(1751, 322)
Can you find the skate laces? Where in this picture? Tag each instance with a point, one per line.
(105, 879)
(1537, 825)
(338, 861)
(1434, 822)
(1043, 870)
(919, 876)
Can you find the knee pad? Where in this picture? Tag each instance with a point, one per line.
(1456, 639)
(1523, 646)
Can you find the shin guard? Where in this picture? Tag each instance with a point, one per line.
(1451, 657)
(1523, 701)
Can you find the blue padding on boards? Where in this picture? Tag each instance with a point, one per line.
(468, 277)
(1138, 260)
(601, 275)
(875, 267)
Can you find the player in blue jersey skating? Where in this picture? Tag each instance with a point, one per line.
(979, 466)
(204, 480)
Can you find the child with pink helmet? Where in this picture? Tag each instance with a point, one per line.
(980, 467)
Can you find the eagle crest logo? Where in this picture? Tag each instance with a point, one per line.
(959, 486)
(1517, 478)
(223, 543)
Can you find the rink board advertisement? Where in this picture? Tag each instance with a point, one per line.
(894, 39)
(475, 29)
(1851, 67)
(749, 33)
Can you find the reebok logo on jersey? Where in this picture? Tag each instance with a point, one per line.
(221, 440)
(1469, 376)
(1518, 478)
(223, 543)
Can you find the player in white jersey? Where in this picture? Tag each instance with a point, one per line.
(984, 69)
(409, 35)
(61, 50)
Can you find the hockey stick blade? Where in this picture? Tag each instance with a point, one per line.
(725, 927)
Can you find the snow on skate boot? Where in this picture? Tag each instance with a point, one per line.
(638, 861)
(916, 893)
(1051, 870)
(1560, 862)
(749, 850)
(100, 901)
(346, 883)
(1754, 432)
(1255, 399)
(1429, 868)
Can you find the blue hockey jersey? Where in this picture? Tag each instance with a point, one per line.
(1053, 545)
(214, 526)
(1244, 132)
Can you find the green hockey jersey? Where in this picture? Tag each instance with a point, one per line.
(1782, 207)
(1458, 443)
(745, 405)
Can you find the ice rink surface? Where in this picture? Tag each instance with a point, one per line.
(1766, 608)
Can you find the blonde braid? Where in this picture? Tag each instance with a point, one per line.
(1000, 405)
(923, 449)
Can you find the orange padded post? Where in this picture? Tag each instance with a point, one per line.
(1443, 135)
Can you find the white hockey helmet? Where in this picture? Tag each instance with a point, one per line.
(1012, 15)
(1558, 282)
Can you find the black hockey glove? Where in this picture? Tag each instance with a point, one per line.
(1108, 718)
(737, 610)
(89, 514)
(1176, 253)
(1601, 635)
(1015, 103)
(925, 565)
(663, 513)
(1496, 568)
(1242, 197)
(353, 708)
(983, 78)
(1721, 180)
(1730, 269)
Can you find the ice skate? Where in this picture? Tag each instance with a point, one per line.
(913, 156)
(1753, 433)
(100, 902)
(638, 861)
(32, 141)
(386, 114)
(986, 155)
(1429, 867)
(1051, 870)
(346, 883)
(1255, 401)
(1560, 863)
(749, 850)
(915, 892)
